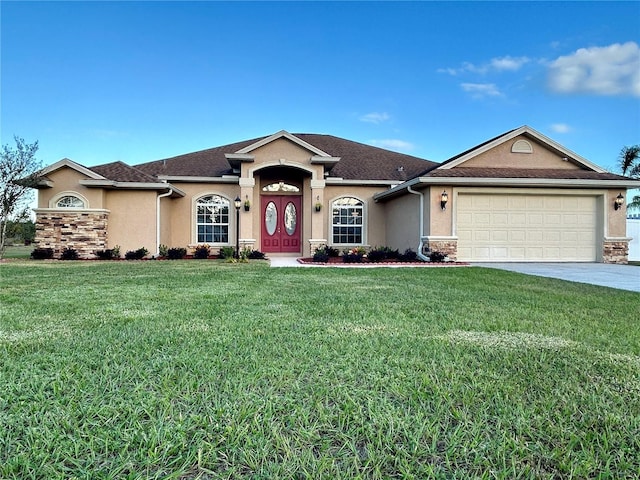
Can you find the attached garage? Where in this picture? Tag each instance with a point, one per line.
(527, 227)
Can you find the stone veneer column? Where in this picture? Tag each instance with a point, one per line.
(616, 250)
(85, 231)
(446, 245)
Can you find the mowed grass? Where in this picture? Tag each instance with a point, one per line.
(201, 369)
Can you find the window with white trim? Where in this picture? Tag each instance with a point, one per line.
(70, 201)
(347, 221)
(212, 219)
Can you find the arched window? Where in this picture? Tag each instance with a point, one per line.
(280, 187)
(70, 201)
(212, 219)
(347, 221)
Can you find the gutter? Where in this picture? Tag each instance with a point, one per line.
(170, 192)
(421, 256)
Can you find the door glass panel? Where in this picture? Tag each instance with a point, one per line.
(271, 218)
(290, 218)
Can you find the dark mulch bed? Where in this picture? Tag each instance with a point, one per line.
(337, 261)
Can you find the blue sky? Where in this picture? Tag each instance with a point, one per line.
(139, 81)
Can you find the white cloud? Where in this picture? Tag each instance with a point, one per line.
(393, 144)
(612, 70)
(481, 90)
(375, 117)
(498, 64)
(509, 63)
(560, 128)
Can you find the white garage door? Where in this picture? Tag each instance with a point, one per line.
(526, 228)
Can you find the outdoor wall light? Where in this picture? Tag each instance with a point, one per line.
(237, 203)
(618, 202)
(444, 198)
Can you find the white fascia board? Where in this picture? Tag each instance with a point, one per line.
(188, 179)
(240, 157)
(396, 189)
(131, 186)
(519, 131)
(324, 160)
(505, 182)
(42, 183)
(341, 181)
(531, 182)
(288, 136)
(65, 162)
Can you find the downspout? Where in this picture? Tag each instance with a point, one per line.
(421, 256)
(158, 219)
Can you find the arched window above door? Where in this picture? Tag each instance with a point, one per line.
(280, 187)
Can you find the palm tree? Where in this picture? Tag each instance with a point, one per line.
(629, 160)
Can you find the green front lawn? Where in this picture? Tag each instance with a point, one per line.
(201, 369)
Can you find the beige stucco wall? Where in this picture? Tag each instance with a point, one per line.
(132, 221)
(616, 219)
(65, 180)
(281, 149)
(403, 222)
(441, 221)
(502, 157)
(180, 230)
(375, 222)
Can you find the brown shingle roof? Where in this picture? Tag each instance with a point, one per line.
(568, 174)
(357, 161)
(364, 162)
(121, 172)
(205, 163)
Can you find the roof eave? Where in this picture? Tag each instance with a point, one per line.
(114, 185)
(504, 182)
(191, 179)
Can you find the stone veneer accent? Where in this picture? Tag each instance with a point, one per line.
(448, 247)
(615, 251)
(86, 232)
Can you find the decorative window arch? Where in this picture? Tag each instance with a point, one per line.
(69, 200)
(347, 221)
(281, 187)
(212, 219)
(521, 146)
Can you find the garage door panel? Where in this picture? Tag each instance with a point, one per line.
(500, 236)
(526, 227)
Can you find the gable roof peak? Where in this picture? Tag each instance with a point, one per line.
(66, 162)
(510, 135)
(283, 134)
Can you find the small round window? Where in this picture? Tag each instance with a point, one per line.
(69, 201)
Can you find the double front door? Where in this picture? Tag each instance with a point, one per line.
(281, 222)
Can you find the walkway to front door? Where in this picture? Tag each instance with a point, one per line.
(281, 222)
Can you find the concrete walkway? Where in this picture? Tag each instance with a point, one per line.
(286, 262)
(623, 277)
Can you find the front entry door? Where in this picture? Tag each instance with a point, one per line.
(281, 220)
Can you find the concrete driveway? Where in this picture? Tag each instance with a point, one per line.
(623, 277)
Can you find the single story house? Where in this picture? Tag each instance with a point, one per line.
(517, 197)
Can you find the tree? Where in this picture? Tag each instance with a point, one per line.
(18, 174)
(629, 159)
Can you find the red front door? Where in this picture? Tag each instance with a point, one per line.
(281, 220)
